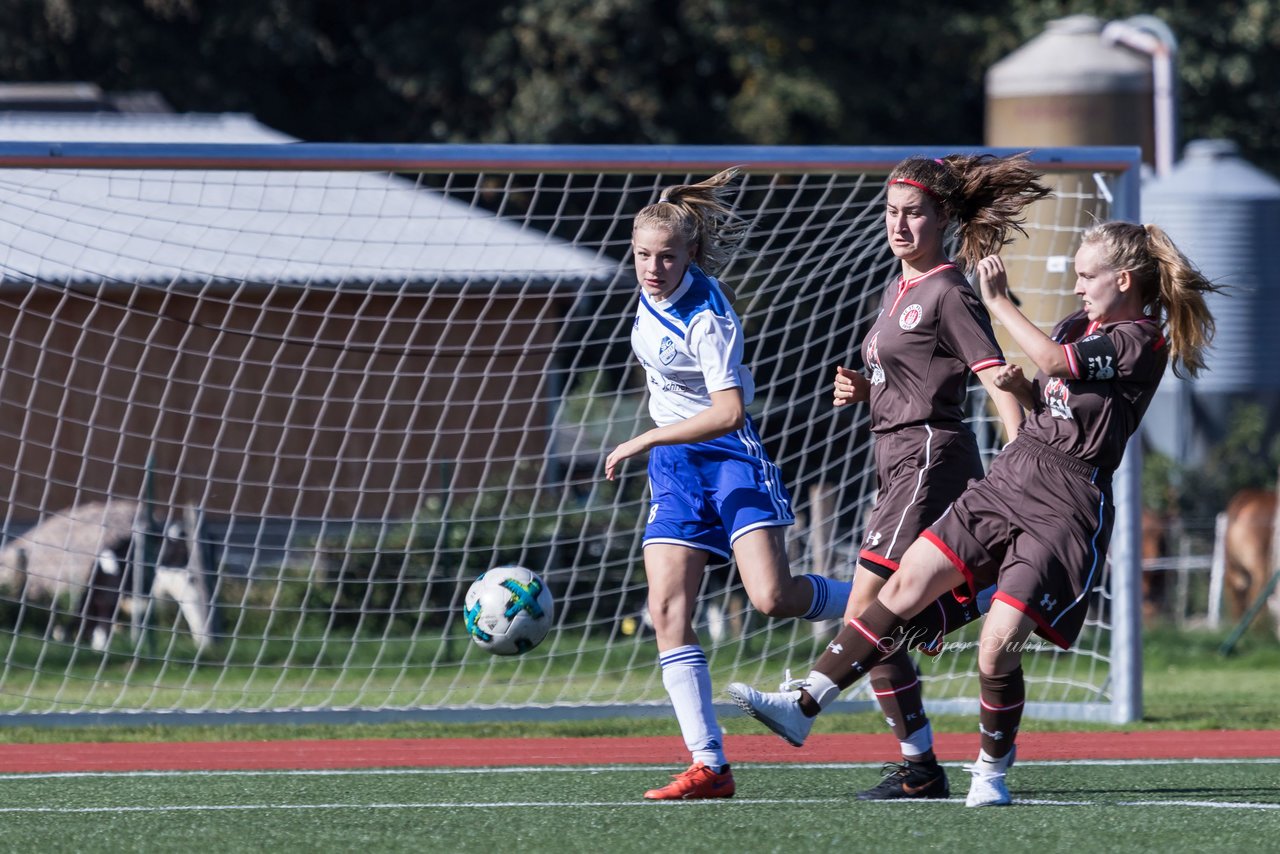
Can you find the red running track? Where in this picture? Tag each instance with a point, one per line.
(742, 749)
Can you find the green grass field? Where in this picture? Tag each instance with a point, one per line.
(1157, 806)
(1131, 807)
(1187, 685)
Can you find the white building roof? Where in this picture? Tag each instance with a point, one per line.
(261, 227)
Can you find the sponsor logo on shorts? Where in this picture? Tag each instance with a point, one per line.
(1047, 603)
(873, 538)
(910, 317)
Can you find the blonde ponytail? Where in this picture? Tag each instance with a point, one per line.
(1171, 287)
(700, 215)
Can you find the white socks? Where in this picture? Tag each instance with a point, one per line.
(919, 742)
(821, 688)
(989, 765)
(688, 682)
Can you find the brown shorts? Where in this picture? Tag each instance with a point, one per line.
(1038, 527)
(920, 471)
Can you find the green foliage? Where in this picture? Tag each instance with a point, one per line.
(1159, 475)
(378, 573)
(620, 71)
(1248, 455)
(1246, 458)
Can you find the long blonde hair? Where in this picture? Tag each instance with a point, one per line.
(984, 195)
(700, 215)
(1171, 287)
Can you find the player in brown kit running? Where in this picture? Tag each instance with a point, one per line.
(931, 337)
(919, 355)
(1038, 525)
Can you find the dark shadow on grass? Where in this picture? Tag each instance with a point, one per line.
(1212, 793)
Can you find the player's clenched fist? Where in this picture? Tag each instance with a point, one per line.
(851, 387)
(1009, 378)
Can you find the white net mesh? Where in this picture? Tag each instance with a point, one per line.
(300, 410)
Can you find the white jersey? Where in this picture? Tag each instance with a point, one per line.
(690, 345)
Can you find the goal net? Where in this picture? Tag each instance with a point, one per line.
(268, 410)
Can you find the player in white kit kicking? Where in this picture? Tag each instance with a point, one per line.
(714, 489)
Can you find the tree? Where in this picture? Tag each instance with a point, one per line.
(619, 71)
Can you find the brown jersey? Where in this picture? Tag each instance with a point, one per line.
(1115, 369)
(932, 331)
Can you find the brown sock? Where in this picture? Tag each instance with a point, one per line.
(926, 758)
(939, 619)
(1003, 698)
(897, 688)
(861, 645)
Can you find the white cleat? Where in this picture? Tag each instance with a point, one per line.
(779, 711)
(988, 788)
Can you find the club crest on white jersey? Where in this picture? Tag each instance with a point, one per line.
(690, 345)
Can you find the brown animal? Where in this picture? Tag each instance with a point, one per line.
(1155, 596)
(1251, 515)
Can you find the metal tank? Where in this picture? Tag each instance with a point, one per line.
(1224, 214)
(1067, 86)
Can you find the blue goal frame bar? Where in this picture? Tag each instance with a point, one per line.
(523, 158)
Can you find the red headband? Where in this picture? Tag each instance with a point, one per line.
(918, 186)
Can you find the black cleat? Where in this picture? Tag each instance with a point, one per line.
(909, 780)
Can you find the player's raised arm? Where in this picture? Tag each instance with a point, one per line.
(1047, 354)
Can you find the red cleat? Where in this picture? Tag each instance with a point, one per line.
(696, 783)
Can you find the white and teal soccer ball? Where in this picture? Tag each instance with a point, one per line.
(508, 610)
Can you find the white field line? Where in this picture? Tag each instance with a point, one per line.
(580, 769)
(717, 804)
(429, 805)
(546, 769)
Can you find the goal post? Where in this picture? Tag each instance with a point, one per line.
(365, 373)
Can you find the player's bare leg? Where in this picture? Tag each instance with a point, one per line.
(765, 571)
(675, 573)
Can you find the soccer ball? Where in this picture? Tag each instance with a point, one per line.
(508, 610)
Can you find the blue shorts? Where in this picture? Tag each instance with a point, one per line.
(706, 495)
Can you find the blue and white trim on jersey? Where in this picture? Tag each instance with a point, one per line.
(661, 317)
(690, 345)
